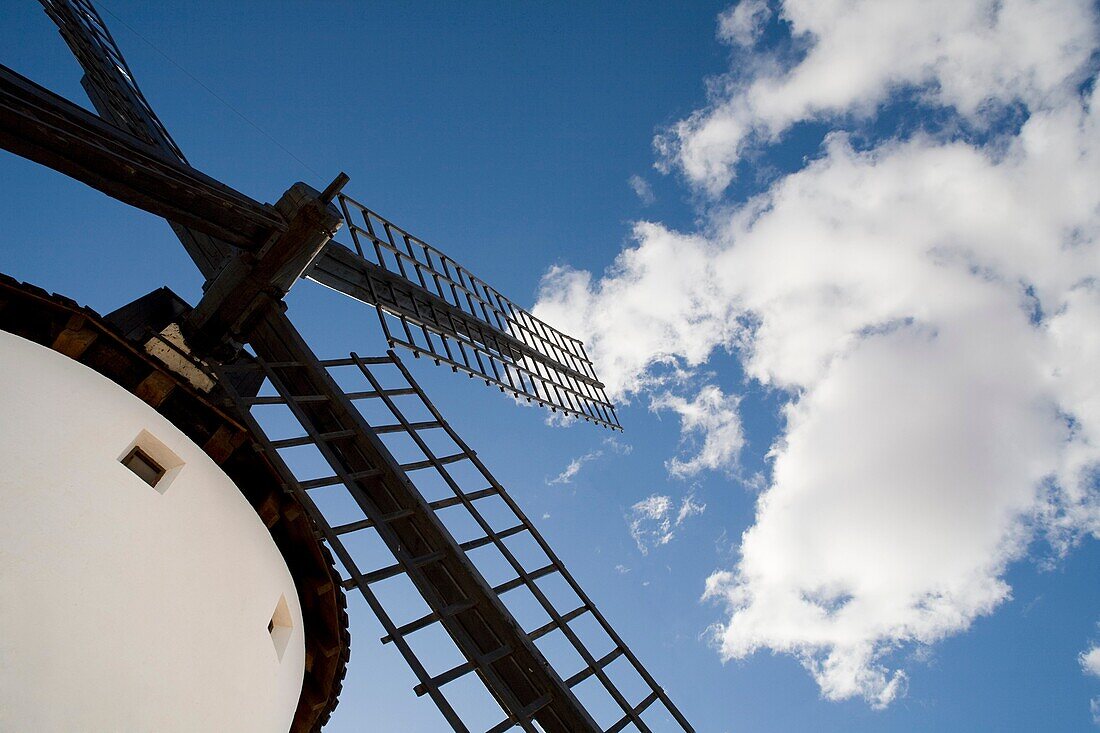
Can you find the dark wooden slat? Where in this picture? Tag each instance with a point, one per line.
(465, 668)
(553, 624)
(487, 539)
(425, 425)
(524, 579)
(428, 619)
(428, 463)
(471, 496)
(374, 394)
(348, 361)
(280, 400)
(602, 662)
(307, 440)
(368, 523)
(392, 570)
(638, 710)
(333, 480)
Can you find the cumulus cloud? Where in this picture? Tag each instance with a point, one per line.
(929, 304)
(711, 418)
(658, 306)
(653, 521)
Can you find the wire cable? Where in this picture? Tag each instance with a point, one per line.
(210, 91)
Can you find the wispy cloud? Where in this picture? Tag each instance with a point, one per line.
(617, 445)
(689, 508)
(653, 521)
(612, 443)
(642, 190)
(574, 467)
(709, 419)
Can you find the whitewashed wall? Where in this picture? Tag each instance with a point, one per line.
(123, 608)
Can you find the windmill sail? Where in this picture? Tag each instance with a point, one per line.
(426, 301)
(409, 506)
(108, 80)
(476, 562)
(114, 93)
(430, 304)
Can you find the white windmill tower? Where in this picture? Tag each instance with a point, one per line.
(200, 582)
(142, 590)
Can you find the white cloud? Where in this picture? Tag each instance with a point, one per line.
(742, 24)
(929, 305)
(653, 521)
(650, 524)
(659, 305)
(555, 419)
(755, 483)
(614, 444)
(1090, 661)
(689, 508)
(642, 190)
(618, 446)
(974, 57)
(574, 467)
(711, 415)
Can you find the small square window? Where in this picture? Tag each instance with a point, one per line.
(142, 464)
(152, 461)
(280, 627)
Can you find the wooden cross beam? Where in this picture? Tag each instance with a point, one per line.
(41, 126)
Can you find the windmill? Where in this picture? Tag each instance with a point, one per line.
(250, 255)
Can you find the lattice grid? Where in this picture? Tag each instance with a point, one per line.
(485, 524)
(110, 78)
(432, 305)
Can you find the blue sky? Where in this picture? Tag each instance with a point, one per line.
(508, 135)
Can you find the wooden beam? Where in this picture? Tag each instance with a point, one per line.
(48, 129)
(517, 678)
(254, 281)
